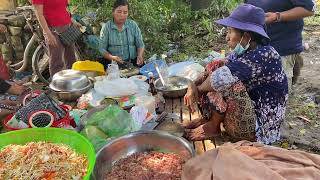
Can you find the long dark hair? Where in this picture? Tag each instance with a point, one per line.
(118, 3)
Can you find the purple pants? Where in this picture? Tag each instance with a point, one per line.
(60, 56)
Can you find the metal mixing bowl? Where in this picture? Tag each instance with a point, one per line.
(69, 81)
(171, 82)
(140, 141)
(73, 95)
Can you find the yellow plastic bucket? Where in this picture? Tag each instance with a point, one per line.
(87, 65)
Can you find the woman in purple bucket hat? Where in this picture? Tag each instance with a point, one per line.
(247, 91)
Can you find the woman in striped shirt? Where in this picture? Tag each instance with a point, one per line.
(121, 39)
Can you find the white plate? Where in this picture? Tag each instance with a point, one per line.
(139, 77)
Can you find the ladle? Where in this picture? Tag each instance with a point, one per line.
(160, 76)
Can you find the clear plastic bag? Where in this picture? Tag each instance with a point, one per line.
(187, 69)
(143, 87)
(139, 114)
(96, 136)
(113, 71)
(116, 87)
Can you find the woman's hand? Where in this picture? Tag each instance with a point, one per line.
(191, 97)
(16, 89)
(51, 39)
(77, 24)
(140, 60)
(3, 28)
(117, 59)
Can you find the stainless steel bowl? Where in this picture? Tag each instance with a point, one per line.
(91, 74)
(69, 81)
(140, 141)
(73, 95)
(171, 82)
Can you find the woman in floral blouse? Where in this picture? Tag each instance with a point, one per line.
(247, 91)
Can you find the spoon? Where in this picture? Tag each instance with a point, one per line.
(160, 76)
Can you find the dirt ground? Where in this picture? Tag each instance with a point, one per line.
(301, 129)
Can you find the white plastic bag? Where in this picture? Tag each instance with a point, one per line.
(139, 115)
(113, 71)
(116, 87)
(187, 69)
(143, 87)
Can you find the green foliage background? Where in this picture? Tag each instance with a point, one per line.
(166, 21)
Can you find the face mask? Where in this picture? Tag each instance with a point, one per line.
(239, 49)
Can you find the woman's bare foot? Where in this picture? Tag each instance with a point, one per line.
(194, 123)
(203, 132)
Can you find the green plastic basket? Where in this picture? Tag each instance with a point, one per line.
(54, 135)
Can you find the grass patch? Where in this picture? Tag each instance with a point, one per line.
(314, 20)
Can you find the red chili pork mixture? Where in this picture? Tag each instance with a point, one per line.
(147, 166)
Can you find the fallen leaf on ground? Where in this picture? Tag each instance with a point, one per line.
(285, 145)
(302, 131)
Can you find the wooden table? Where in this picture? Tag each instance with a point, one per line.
(177, 107)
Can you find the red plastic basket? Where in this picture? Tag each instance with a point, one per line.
(67, 120)
(5, 125)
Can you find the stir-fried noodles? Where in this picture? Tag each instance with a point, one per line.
(41, 160)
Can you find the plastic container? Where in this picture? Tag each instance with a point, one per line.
(151, 68)
(89, 66)
(148, 102)
(65, 121)
(54, 135)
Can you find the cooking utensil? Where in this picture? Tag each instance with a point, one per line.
(179, 84)
(69, 81)
(71, 95)
(140, 141)
(160, 76)
(152, 124)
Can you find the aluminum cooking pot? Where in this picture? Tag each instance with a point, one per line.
(69, 81)
(73, 95)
